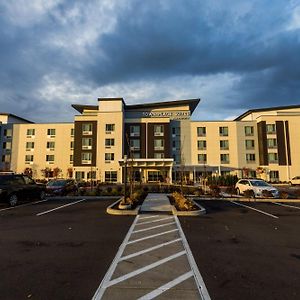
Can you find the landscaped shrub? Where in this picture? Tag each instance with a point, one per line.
(284, 195)
(120, 189)
(249, 194)
(297, 193)
(198, 192)
(109, 189)
(267, 194)
(182, 203)
(145, 189)
(215, 190)
(230, 190)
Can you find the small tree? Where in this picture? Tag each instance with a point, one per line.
(56, 172)
(46, 172)
(70, 172)
(28, 172)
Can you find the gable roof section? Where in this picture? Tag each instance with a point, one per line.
(16, 117)
(250, 111)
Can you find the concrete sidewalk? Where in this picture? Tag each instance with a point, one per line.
(156, 203)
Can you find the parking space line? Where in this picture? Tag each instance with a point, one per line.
(22, 205)
(152, 236)
(198, 278)
(153, 227)
(258, 210)
(286, 205)
(59, 207)
(144, 269)
(159, 220)
(149, 249)
(167, 286)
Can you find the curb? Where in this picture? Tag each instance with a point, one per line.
(193, 213)
(268, 200)
(125, 212)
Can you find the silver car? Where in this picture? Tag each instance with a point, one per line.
(257, 186)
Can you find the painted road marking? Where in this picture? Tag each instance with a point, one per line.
(152, 236)
(169, 251)
(59, 207)
(153, 227)
(27, 204)
(159, 220)
(286, 205)
(258, 210)
(167, 286)
(144, 269)
(149, 249)
(149, 217)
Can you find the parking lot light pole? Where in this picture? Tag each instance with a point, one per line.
(125, 177)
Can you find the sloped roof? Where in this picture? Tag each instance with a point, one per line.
(15, 116)
(250, 111)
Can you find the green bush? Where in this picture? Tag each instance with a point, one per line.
(215, 190)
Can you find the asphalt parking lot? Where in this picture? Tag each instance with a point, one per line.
(62, 248)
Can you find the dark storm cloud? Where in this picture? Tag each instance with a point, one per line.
(150, 42)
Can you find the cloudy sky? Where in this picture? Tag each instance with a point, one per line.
(234, 55)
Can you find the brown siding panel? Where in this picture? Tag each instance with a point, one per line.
(262, 143)
(150, 137)
(288, 142)
(281, 143)
(78, 143)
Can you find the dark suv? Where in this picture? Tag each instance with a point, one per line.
(15, 187)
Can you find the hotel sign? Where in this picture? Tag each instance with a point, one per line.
(174, 115)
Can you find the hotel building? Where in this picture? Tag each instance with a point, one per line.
(159, 140)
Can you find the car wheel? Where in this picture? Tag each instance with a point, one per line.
(252, 195)
(13, 200)
(42, 195)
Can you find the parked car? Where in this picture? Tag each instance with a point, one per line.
(14, 187)
(295, 180)
(257, 186)
(61, 187)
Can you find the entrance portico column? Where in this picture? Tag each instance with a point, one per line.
(170, 174)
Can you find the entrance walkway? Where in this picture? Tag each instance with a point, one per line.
(156, 203)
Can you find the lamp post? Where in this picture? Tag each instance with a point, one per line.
(125, 177)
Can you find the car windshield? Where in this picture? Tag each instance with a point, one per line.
(259, 183)
(57, 183)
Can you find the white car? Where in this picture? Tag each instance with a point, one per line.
(295, 180)
(257, 186)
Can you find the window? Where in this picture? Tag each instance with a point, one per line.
(274, 176)
(136, 155)
(87, 128)
(271, 128)
(223, 131)
(86, 143)
(201, 145)
(30, 132)
(72, 132)
(201, 131)
(249, 144)
(158, 144)
(273, 157)
(8, 133)
(71, 158)
(29, 146)
(50, 146)
(79, 175)
(224, 158)
(159, 155)
(109, 156)
(86, 158)
(72, 145)
(158, 130)
(134, 144)
(176, 145)
(91, 175)
(134, 130)
(202, 158)
(109, 142)
(50, 159)
(224, 144)
(51, 132)
(176, 131)
(6, 158)
(111, 176)
(249, 130)
(28, 159)
(7, 145)
(250, 157)
(109, 128)
(272, 143)
(28, 180)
